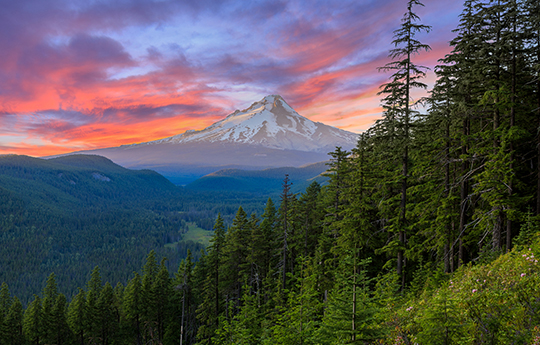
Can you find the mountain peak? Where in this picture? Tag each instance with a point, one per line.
(271, 123)
(272, 98)
(269, 103)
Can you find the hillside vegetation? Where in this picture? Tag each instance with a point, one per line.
(496, 301)
(67, 215)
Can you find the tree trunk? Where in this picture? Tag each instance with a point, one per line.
(448, 243)
(497, 227)
(353, 326)
(512, 122)
(405, 172)
(538, 134)
(464, 192)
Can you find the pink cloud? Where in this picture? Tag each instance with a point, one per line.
(69, 79)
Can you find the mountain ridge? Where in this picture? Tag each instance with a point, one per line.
(268, 134)
(267, 181)
(271, 123)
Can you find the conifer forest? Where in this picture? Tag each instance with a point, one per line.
(428, 232)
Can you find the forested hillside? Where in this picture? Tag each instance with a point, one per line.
(69, 214)
(426, 233)
(267, 181)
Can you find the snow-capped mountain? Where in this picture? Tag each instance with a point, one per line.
(268, 134)
(271, 123)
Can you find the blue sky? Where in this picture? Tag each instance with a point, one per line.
(89, 74)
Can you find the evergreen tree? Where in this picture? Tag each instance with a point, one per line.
(358, 215)
(245, 326)
(406, 77)
(435, 196)
(352, 314)
(122, 322)
(5, 304)
(235, 268)
(297, 320)
(183, 284)
(491, 181)
(162, 289)
(333, 202)
(61, 333)
(440, 322)
(532, 42)
(50, 295)
(211, 302)
(134, 308)
(13, 324)
(33, 322)
(93, 291)
(284, 229)
(77, 317)
(461, 83)
(257, 255)
(148, 298)
(254, 279)
(108, 315)
(307, 222)
(267, 243)
(339, 168)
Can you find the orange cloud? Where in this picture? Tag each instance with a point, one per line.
(65, 86)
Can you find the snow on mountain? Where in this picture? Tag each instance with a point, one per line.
(268, 134)
(271, 123)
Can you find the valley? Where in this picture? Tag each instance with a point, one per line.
(70, 214)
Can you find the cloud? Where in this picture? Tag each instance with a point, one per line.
(91, 74)
(53, 76)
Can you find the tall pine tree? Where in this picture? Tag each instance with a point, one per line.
(406, 77)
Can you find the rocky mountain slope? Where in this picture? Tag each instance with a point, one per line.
(270, 123)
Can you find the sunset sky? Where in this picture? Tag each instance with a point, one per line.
(88, 74)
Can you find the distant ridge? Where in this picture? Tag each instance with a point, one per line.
(87, 180)
(267, 181)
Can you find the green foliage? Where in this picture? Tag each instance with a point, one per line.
(60, 332)
(487, 304)
(352, 314)
(33, 321)
(133, 307)
(69, 219)
(13, 324)
(529, 231)
(491, 303)
(296, 322)
(244, 328)
(440, 322)
(77, 317)
(107, 314)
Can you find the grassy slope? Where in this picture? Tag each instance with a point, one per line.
(492, 303)
(195, 234)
